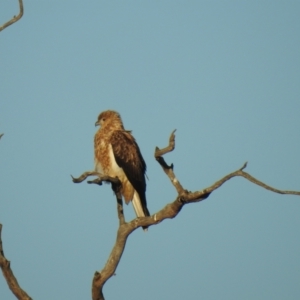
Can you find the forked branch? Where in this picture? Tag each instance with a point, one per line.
(198, 195)
(9, 275)
(169, 211)
(14, 18)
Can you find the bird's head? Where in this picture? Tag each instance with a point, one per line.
(109, 117)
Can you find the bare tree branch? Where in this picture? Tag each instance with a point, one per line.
(14, 18)
(169, 211)
(169, 169)
(198, 195)
(98, 180)
(1, 135)
(4, 263)
(9, 276)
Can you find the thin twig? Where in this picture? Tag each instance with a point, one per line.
(169, 148)
(196, 196)
(100, 178)
(14, 18)
(169, 169)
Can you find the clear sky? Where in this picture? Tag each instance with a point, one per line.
(225, 74)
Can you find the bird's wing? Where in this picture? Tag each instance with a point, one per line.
(128, 157)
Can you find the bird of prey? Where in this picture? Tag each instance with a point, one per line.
(118, 155)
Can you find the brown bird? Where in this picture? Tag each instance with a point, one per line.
(118, 155)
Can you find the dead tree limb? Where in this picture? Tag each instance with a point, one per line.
(9, 275)
(14, 18)
(1, 135)
(4, 263)
(168, 212)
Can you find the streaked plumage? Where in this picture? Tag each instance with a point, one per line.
(117, 154)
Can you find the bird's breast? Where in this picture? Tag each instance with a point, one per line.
(105, 162)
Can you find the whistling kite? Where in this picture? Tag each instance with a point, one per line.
(118, 155)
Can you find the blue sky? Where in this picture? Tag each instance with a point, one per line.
(225, 74)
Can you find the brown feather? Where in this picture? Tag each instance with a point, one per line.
(117, 154)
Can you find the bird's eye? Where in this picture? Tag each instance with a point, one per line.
(103, 119)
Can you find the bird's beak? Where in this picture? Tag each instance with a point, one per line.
(97, 123)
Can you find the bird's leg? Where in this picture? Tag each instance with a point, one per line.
(116, 187)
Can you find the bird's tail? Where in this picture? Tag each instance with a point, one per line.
(138, 208)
